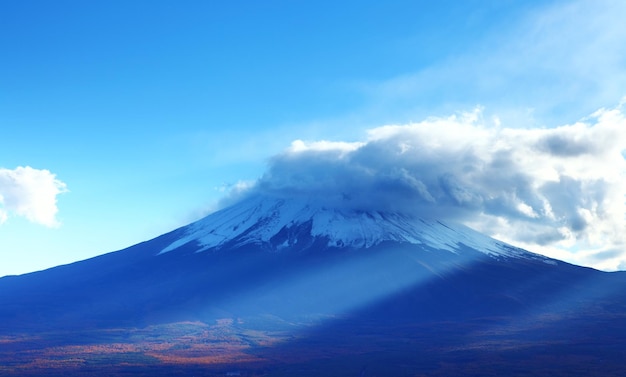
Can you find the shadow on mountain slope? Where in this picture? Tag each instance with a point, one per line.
(395, 309)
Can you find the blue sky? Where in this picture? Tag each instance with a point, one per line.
(148, 112)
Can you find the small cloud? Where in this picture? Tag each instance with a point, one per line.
(30, 193)
(234, 193)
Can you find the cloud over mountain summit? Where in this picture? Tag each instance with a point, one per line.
(543, 188)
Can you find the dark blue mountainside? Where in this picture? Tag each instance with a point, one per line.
(288, 287)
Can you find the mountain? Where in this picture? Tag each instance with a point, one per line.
(277, 286)
(277, 224)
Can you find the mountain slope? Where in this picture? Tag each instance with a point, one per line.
(266, 245)
(294, 266)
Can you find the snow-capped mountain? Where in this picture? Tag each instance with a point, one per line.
(294, 277)
(258, 244)
(277, 224)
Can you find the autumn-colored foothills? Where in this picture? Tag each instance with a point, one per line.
(234, 347)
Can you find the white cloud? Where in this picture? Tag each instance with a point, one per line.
(31, 193)
(558, 191)
(324, 145)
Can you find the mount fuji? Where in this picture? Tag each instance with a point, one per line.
(278, 224)
(278, 286)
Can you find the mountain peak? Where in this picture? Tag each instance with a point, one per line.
(282, 223)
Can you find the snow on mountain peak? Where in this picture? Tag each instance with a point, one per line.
(258, 220)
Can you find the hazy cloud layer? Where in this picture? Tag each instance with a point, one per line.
(31, 193)
(553, 190)
(556, 60)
